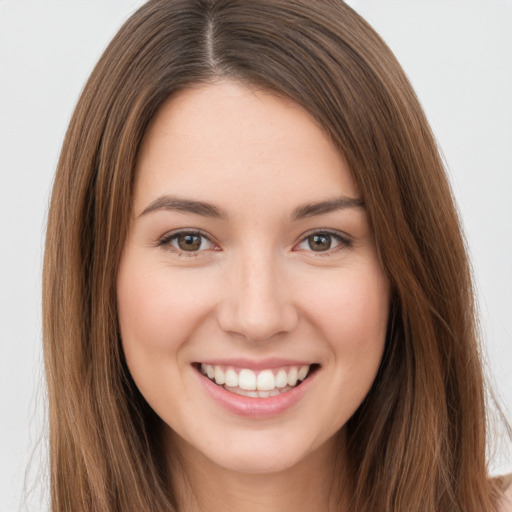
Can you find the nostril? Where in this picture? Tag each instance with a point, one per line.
(256, 321)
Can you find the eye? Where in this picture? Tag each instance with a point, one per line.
(187, 242)
(323, 241)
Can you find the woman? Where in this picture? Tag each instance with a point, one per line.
(256, 290)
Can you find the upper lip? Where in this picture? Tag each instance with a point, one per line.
(253, 364)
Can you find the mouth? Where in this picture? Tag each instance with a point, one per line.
(264, 383)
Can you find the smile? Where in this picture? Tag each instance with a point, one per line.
(256, 384)
(262, 390)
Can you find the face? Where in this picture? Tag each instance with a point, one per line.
(252, 304)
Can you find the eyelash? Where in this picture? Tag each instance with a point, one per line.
(343, 240)
(166, 242)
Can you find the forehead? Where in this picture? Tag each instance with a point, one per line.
(227, 143)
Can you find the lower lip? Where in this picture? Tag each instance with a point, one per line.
(255, 407)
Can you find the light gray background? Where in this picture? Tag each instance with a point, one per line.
(457, 54)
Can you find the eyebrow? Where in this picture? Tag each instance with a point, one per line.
(174, 203)
(323, 207)
(179, 204)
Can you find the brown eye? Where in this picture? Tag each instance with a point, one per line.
(324, 242)
(320, 242)
(187, 242)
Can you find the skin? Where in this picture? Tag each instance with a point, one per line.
(506, 502)
(254, 289)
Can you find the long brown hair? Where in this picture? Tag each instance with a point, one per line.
(418, 440)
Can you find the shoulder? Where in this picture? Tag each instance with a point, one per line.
(506, 502)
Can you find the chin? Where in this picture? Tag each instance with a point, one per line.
(258, 452)
(262, 461)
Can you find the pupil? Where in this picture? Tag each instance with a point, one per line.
(320, 242)
(189, 242)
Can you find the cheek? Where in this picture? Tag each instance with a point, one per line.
(351, 310)
(158, 311)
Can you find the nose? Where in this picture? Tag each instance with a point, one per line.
(257, 304)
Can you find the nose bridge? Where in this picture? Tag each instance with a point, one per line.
(257, 302)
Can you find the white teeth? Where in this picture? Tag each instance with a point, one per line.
(281, 379)
(265, 381)
(303, 372)
(292, 376)
(219, 376)
(249, 383)
(231, 378)
(247, 380)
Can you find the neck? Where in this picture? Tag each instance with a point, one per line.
(312, 484)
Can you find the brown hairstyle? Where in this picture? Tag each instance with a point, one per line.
(418, 440)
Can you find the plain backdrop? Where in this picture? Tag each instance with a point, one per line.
(457, 54)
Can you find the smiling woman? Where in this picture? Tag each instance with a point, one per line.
(256, 290)
(246, 335)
